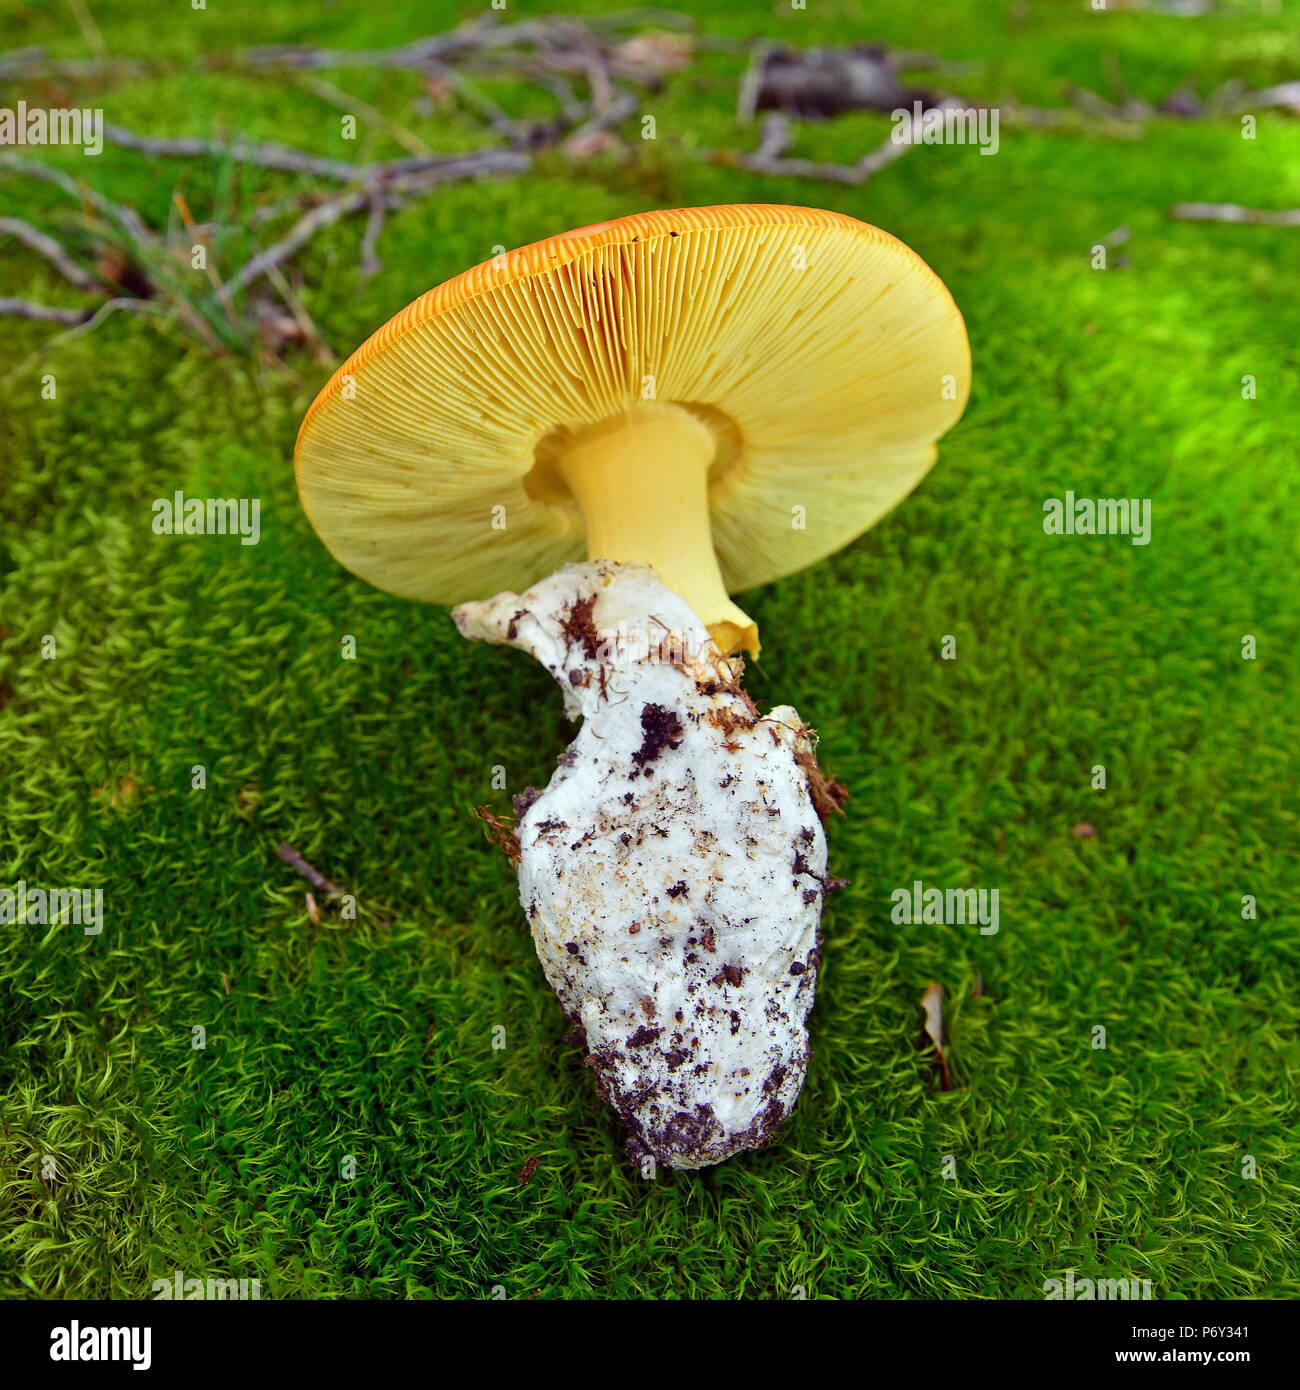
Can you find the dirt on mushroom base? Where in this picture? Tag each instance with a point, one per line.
(674, 869)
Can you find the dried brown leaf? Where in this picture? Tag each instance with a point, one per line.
(932, 1008)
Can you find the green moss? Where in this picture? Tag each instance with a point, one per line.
(374, 1038)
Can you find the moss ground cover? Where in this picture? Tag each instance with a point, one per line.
(374, 1038)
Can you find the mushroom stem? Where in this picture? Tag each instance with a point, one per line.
(641, 481)
(673, 870)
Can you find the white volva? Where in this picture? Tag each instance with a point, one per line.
(673, 870)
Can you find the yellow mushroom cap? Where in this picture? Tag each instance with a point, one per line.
(817, 358)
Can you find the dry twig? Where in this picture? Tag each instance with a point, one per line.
(1234, 212)
(87, 323)
(370, 262)
(751, 84)
(36, 240)
(46, 313)
(780, 167)
(313, 876)
(322, 215)
(265, 154)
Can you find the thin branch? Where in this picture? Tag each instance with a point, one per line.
(1068, 118)
(126, 217)
(1093, 105)
(572, 109)
(774, 139)
(88, 325)
(323, 215)
(420, 179)
(352, 200)
(478, 36)
(418, 171)
(36, 240)
(1234, 212)
(569, 60)
(265, 154)
(472, 96)
(564, 45)
(35, 62)
(313, 876)
(418, 55)
(268, 212)
(1286, 94)
(752, 84)
(852, 174)
(370, 262)
(602, 92)
(46, 313)
(618, 110)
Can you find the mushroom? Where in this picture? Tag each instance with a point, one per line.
(702, 400)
